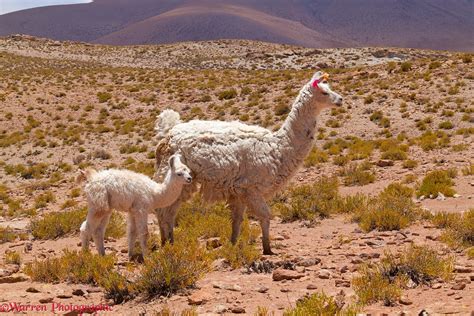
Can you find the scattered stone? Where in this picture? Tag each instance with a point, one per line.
(198, 298)
(28, 247)
(311, 286)
(279, 237)
(13, 278)
(283, 274)
(263, 289)
(264, 266)
(238, 310)
(405, 301)
(440, 197)
(456, 195)
(64, 296)
(32, 290)
(461, 269)
(458, 297)
(344, 269)
(357, 261)
(343, 283)
(385, 163)
(324, 274)
(309, 262)
(421, 198)
(436, 286)
(229, 287)
(46, 300)
(458, 286)
(410, 284)
(220, 309)
(78, 292)
(285, 290)
(93, 289)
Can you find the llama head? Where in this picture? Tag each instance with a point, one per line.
(179, 169)
(324, 95)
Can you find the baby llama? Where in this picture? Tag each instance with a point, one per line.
(130, 192)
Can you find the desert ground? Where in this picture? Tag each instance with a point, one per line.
(388, 190)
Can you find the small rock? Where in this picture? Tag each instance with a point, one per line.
(198, 298)
(343, 283)
(220, 309)
(461, 269)
(78, 292)
(64, 296)
(238, 310)
(311, 286)
(440, 197)
(309, 262)
(46, 300)
(410, 284)
(436, 286)
(283, 274)
(32, 290)
(458, 297)
(421, 198)
(405, 301)
(13, 279)
(456, 195)
(93, 289)
(458, 286)
(357, 261)
(324, 274)
(285, 290)
(279, 237)
(263, 289)
(385, 163)
(28, 247)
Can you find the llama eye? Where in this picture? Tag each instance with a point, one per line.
(180, 174)
(325, 93)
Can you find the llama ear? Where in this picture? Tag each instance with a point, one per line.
(171, 162)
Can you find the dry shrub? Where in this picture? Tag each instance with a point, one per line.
(384, 281)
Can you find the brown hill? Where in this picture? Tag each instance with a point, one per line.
(432, 24)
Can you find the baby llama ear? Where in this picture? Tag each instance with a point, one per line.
(171, 162)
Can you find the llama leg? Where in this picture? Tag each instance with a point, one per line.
(97, 236)
(260, 208)
(166, 218)
(142, 228)
(237, 209)
(131, 234)
(85, 235)
(93, 222)
(102, 227)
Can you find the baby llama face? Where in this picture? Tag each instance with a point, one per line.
(180, 170)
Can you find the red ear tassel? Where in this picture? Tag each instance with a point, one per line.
(315, 83)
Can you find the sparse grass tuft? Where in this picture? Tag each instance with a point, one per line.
(12, 257)
(384, 281)
(172, 268)
(58, 224)
(435, 182)
(392, 209)
(357, 174)
(319, 304)
(309, 202)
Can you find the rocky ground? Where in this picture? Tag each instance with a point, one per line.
(68, 105)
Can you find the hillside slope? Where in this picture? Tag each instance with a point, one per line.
(433, 24)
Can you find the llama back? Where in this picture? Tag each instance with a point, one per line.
(120, 189)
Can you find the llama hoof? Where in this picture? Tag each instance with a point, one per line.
(268, 252)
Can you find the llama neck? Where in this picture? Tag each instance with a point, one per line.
(167, 192)
(297, 132)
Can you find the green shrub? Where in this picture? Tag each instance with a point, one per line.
(405, 66)
(43, 199)
(7, 235)
(459, 229)
(320, 304)
(315, 157)
(446, 125)
(103, 97)
(392, 209)
(227, 94)
(357, 174)
(394, 153)
(58, 224)
(172, 268)
(384, 281)
(309, 201)
(12, 257)
(435, 182)
(410, 164)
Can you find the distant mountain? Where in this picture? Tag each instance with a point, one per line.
(436, 24)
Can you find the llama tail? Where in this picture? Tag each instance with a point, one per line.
(165, 122)
(85, 175)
